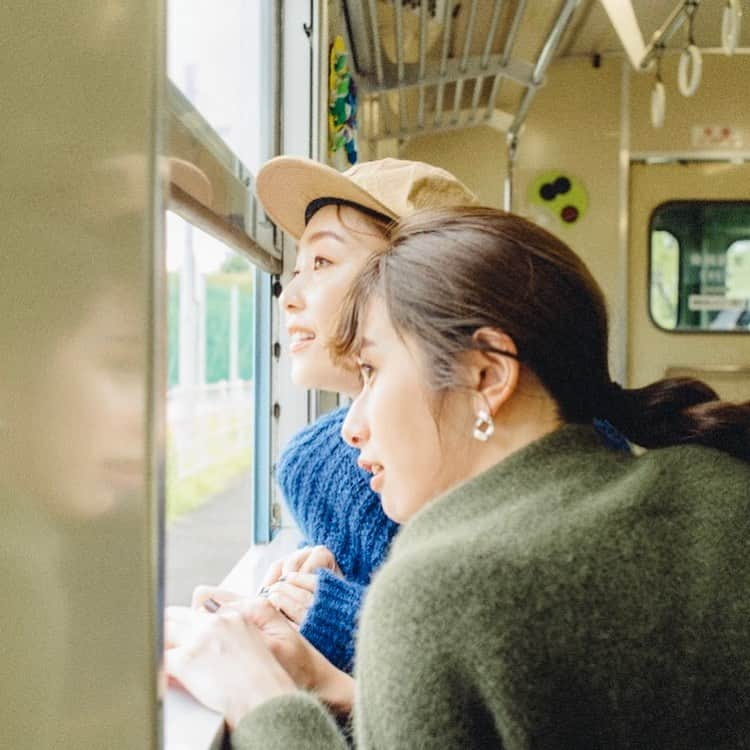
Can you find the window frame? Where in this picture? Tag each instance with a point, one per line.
(649, 230)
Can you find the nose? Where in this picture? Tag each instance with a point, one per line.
(354, 430)
(290, 298)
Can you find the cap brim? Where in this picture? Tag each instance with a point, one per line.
(286, 185)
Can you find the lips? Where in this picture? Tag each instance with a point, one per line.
(299, 338)
(377, 470)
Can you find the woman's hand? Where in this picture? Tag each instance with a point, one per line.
(179, 624)
(290, 583)
(304, 560)
(292, 595)
(202, 594)
(309, 669)
(225, 662)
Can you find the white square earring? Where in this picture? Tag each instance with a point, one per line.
(483, 426)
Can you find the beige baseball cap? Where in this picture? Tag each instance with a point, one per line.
(286, 185)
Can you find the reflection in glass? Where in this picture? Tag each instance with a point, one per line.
(73, 482)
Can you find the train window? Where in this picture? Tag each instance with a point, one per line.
(210, 405)
(665, 274)
(738, 270)
(700, 266)
(217, 55)
(219, 64)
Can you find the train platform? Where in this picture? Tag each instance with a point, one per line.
(203, 546)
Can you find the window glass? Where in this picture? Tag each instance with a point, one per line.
(218, 57)
(665, 274)
(700, 266)
(210, 404)
(738, 270)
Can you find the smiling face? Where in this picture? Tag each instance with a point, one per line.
(413, 440)
(331, 252)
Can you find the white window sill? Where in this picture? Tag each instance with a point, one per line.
(187, 724)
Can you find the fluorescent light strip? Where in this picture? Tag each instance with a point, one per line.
(622, 17)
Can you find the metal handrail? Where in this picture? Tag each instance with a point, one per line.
(510, 42)
(667, 30)
(484, 60)
(209, 186)
(543, 61)
(404, 72)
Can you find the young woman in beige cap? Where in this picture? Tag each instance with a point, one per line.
(339, 220)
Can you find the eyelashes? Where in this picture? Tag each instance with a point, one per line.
(318, 262)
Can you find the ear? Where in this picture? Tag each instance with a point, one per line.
(493, 374)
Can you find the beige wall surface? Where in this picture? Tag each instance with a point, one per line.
(475, 155)
(578, 124)
(573, 126)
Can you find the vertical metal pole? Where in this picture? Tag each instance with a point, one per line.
(512, 150)
(510, 41)
(422, 54)
(447, 16)
(382, 101)
(485, 57)
(234, 332)
(399, 29)
(464, 59)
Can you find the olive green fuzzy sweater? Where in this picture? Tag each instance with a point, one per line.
(569, 597)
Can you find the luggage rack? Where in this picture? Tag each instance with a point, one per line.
(425, 66)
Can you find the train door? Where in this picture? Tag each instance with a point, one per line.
(689, 275)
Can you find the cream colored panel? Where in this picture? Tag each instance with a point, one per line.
(721, 359)
(566, 131)
(475, 155)
(80, 85)
(563, 131)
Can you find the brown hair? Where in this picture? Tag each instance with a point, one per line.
(452, 271)
(382, 225)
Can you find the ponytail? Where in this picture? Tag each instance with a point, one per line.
(677, 411)
(451, 271)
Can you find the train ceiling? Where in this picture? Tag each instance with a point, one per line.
(432, 65)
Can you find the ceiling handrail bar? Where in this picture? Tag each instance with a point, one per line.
(668, 29)
(484, 60)
(398, 18)
(543, 61)
(507, 51)
(378, 65)
(447, 16)
(422, 56)
(464, 58)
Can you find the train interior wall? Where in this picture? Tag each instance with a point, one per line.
(586, 122)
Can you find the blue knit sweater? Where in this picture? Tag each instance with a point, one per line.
(331, 501)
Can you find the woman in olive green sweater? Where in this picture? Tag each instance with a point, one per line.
(545, 592)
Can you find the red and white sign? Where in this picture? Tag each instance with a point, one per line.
(723, 136)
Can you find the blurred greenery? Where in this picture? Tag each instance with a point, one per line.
(215, 445)
(190, 492)
(218, 294)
